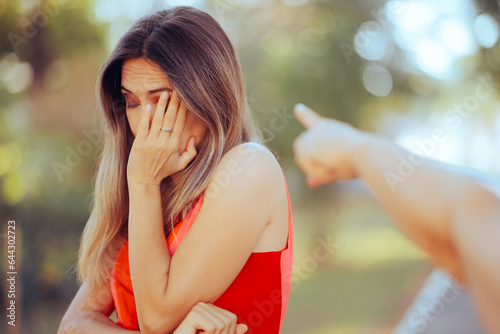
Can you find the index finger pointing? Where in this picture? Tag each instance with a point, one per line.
(305, 115)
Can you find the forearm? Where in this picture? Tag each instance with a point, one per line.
(417, 193)
(149, 258)
(91, 322)
(453, 216)
(477, 231)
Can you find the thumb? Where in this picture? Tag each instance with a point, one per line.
(241, 328)
(305, 115)
(311, 181)
(188, 154)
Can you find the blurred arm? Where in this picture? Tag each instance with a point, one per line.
(435, 207)
(476, 225)
(452, 216)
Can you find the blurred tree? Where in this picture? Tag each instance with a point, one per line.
(41, 33)
(43, 42)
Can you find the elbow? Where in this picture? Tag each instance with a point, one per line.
(68, 325)
(165, 314)
(157, 321)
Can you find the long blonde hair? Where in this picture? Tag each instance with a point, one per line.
(202, 66)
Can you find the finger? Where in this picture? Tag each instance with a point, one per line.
(297, 141)
(180, 120)
(211, 314)
(159, 115)
(301, 156)
(204, 323)
(305, 115)
(228, 318)
(188, 154)
(241, 328)
(320, 178)
(178, 126)
(301, 162)
(143, 130)
(171, 114)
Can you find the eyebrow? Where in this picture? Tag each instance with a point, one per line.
(153, 91)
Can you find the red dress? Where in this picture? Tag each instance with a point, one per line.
(258, 295)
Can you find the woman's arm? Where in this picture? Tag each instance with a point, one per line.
(234, 214)
(89, 313)
(227, 228)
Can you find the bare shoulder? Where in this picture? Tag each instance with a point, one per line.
(249, 171)
(249, 162)
(247, 194)
(252, 155)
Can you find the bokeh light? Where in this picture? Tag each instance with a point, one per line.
(377, 80)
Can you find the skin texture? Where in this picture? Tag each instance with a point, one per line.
(452, 216)
(231, 225)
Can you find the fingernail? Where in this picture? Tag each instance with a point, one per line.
(148, 107)
(300, 107)
(164, 95)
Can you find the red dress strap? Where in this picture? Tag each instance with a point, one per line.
(180, 230)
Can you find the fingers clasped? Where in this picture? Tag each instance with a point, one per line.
(211, 320)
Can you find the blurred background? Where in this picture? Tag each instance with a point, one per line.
(404, 69)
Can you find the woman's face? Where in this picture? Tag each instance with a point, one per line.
(142, 83)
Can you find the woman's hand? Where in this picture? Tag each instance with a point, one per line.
(210, 319)
(155, 152)
(326, 151)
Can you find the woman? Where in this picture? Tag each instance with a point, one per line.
(191, 221)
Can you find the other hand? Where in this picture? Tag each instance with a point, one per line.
(210, 319)
(325, 152)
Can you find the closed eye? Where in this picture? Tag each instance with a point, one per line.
(129, 105)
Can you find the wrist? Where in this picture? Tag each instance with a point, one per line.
(361, 146)
(142, 184)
